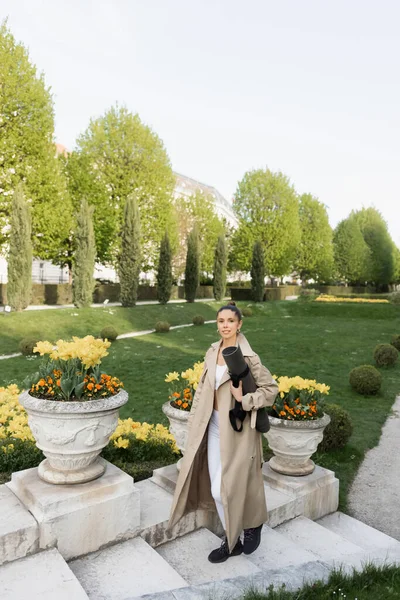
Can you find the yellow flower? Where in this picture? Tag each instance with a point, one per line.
(121, 443)
(174, 376)
(43, 348)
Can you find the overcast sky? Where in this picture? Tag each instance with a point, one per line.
(307, 87)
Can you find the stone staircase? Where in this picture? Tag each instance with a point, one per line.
(160, 565)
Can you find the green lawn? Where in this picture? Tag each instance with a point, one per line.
(54, 324)
(312, 340)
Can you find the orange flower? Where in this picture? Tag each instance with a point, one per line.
(176, 394)
(58, 382)
(98, 386)
(90, 386)
(50, 381)
(185, 405)
(179, 402)
(302, 413)
(41, 382)
(282, 413)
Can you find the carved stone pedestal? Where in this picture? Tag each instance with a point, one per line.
(78, 519)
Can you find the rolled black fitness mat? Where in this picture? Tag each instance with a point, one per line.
(239, 371)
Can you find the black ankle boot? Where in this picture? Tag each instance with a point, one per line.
(222, 554)
(252, 539)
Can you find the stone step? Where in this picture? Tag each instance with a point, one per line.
(44, 576)
(358, 532)
(188, 556)
(19, 531)
(291, 577)
(324, 544)
(126, 570)
(281, 506)
(155, 504)
(277, 550)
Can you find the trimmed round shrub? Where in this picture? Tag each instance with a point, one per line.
(365, 380)
(198, 320)
(339, 430)
(247, 312)
(27, 345)
(396, 342)
(109, 333)
(385, 355)
(394, 297)
(162, 327)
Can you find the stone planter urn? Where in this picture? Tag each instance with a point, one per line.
(293, 443)
(178, 426)
(72, 434)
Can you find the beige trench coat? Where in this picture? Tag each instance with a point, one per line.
(242, 487)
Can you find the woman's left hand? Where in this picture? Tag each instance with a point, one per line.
(237, 393)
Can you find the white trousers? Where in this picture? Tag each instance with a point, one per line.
(214, 463)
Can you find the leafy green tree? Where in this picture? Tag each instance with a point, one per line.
(192, 270)
(118, 155)
(164, 271)
(198, 208)
(315, 251)
(257, 272)
(375, 233)
(84, 257)
(351, 253)
(27, 151)
(267, 207)
(396, 261)
(130, 256)
(19, 266)
(220, 258)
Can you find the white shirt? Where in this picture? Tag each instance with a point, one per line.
(218, 375)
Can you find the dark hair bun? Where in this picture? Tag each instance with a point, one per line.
(232, 303)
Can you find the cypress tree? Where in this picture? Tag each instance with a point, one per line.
(192, 269)
(220, 258)
(130, 257)
(164, 271)
(257, 273)
(19, 268)
(84, 257)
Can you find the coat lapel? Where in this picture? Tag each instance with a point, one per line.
(211, 362)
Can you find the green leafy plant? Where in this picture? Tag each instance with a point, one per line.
(192, 268)
(396, 342)
(27, 345)
(257, 272)
(299, 399)
(365, 380)
(164, 271)
(109, 333)
(339, 430)
(220, 259)
(71, 371)
(198, 320)
(385, 355)
(162, 327)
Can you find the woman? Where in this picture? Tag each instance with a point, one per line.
(222, 468)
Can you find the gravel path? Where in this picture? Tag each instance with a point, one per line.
(375, 494)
